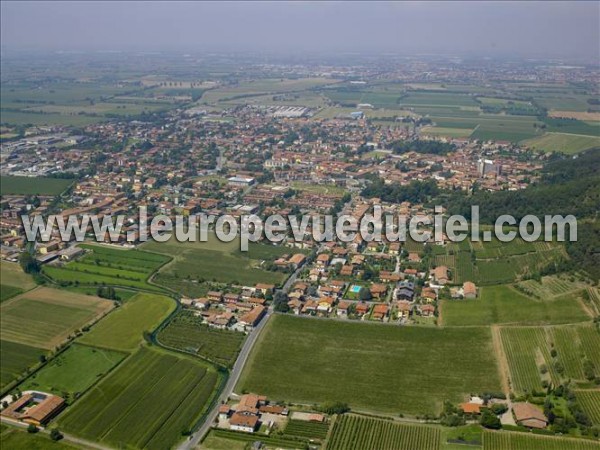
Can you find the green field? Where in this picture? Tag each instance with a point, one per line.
(503, 440)
(18, 439)
(362, 433)
(123, 328)
(311, 430)
(218, 439)
(33, 185)
(15, 358)
(503, 304)
(196, 262)
(7, 292)
(186, 332)
(562, 142)
(371, 367)
(50, 315)
(590, 402)
(73, 371)
(146, 403)
(109, 266)
(529, 349)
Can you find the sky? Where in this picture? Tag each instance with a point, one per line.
(565, 30)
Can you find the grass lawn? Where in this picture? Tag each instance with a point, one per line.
(33, 185)
(503, 304)
(50, 315)
(371, 367)
(146, 403)
(73, 371)
(123, 329)
(15, 358)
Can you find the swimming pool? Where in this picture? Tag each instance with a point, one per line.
(355, 288)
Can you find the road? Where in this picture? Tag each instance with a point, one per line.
(235, 373)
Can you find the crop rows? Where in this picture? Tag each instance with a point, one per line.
(305, 429)
(362, 433)
(146, 403)
(494, 440)
(271, 441)
(186, 332)
(526, 350)
(590, 402)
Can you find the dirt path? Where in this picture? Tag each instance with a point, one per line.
(502, 361)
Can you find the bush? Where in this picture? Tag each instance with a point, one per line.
(32, 428)
(56, 435)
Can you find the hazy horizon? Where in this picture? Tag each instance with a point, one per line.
(562, 30)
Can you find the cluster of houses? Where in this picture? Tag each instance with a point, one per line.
(235, 311)
(524, 414)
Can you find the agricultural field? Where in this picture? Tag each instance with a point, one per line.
(109, 266)
(187, 332)
(218, 439)
(15, 359)
(590, 402)
(551, 354)
(197, 262)
(145, 403)
(552, 286)
(73, 371)
(72, 103)
(352, 432)
(51, 316)
(504, 440)
(420, 360)
(18, 439)
(12, 275)
(8, 292)
(562, 142)
(310, 430)
(123, 329)
(503, 304)
(33, 185)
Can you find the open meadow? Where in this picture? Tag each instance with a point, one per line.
(50, 316)
(369, 366)
(123, 329)
(147, 402)
(187, 332)
(18, 439)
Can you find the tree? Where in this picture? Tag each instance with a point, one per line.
(28, 263)
(32, 428)
(55, 434)
(364, 294)
(490, 420)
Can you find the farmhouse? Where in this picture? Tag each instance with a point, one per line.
(527, 415)
(469, 289)
(36, 408)
(243, 421)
